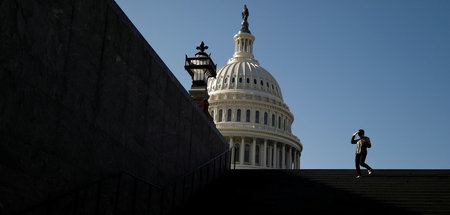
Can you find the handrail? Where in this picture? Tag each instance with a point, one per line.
(208, 162)
(84, 187)
(97, 184)
(141, 179)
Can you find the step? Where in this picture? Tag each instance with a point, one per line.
(324, 191)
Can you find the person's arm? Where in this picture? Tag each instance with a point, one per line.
(353, 141)
(369, 144)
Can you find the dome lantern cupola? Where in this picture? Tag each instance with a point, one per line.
(243, 41)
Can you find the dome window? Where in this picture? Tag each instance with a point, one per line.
(248, 80)
(265, 118)
(257, 117)
(240, 80)
(267, 84)
(238, 115)
(272, 86)
(254, 81)
(220, 115)
(279, 122)
(247, 116)
(232, 80)
(273, 120)
(229, 115)
(262, 83)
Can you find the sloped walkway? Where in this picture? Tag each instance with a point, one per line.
(324, 192)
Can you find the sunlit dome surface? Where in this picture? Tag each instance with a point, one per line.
(245, 75)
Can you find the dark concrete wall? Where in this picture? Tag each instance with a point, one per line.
(83, 95)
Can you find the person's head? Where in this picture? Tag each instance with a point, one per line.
(361, 132)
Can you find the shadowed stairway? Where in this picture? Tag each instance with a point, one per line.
(324, 192)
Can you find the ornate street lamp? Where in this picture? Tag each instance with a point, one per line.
(201, 67)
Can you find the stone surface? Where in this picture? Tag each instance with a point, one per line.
(324, 192)
(83, 95)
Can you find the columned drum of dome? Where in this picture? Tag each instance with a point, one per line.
(247, 107)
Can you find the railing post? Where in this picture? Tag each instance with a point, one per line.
(200, 179)
(193, 183)
(208, 170)
(99, 190)
(149, 206)
(134, 196)
(183, 189)
(117, 194)
(174, 195)
(228, 161)
(48, 209)
(75, 204)
(220, 164)
(214, 169)
(161, 209)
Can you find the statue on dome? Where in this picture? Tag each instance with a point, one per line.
(245, 13)
(244, 24)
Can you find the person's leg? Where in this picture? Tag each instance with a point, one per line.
(357, 162)
(363, 161)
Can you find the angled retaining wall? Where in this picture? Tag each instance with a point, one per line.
(83, 95)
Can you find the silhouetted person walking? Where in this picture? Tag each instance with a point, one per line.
(361, 151)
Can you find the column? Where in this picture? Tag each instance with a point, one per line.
(275, 162)
(245, 45)
(270, 157)
(241, 151)
(264, 159)
(299, 156)
(253, 152)
(239, 45)
(283, 157)
(290, 158)
(232, 150)
(295, 159)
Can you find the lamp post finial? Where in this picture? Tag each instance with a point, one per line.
(202, 47)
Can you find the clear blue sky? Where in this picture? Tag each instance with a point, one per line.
(383, 66)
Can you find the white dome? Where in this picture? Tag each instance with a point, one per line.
(246, 104)
(245, 75)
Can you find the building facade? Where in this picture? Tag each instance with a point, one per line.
(247, 107)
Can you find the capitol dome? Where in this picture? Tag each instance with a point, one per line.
(247, 107)
(245, 75)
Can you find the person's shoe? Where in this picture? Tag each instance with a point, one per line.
(358, 176)
(370, 171)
